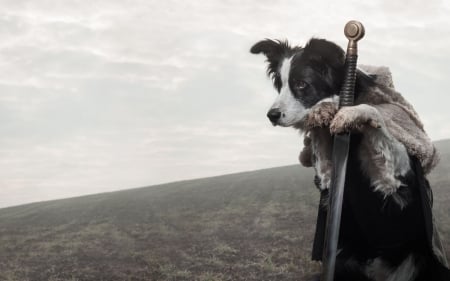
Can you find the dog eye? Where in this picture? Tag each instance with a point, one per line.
(300, 85)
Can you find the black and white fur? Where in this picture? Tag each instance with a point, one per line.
(308, 81)
(306, 78)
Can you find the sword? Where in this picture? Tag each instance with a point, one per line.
(354, 31)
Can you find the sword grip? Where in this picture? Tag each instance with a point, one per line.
(354, 31)
(347, 96)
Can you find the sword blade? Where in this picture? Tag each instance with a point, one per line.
(341, 147)
(354, 31)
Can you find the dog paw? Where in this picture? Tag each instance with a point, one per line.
(390, 189)
(326, 182)
(387, 186)
(397, 201)
(321, 115)
(355, 118)
(322, 182)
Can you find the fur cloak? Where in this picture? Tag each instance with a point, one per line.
(402, 121)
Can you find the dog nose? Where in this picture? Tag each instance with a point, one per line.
(274, 114)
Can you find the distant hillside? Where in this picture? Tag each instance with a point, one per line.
(247, 226)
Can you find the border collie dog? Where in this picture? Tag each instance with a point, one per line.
(383, 227)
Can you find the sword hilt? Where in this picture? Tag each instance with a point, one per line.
(354, 31)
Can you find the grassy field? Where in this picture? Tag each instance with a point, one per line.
(248, 226)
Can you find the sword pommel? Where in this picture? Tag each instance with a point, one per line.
(354, 31)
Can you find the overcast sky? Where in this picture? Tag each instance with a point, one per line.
(103, 95)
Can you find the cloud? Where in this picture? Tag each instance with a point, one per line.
(107, 95)
(137, 157)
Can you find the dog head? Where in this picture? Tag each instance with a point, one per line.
(303, 76)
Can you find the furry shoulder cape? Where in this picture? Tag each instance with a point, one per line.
(401, 120)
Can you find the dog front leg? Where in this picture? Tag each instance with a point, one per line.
(321, 142)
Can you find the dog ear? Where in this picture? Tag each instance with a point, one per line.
(275, 51)
(267, 47)
(272, 49)
(327, 58)
(323, 50)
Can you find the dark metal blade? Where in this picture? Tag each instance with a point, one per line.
(341, 147)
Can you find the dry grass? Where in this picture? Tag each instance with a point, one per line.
(249, 226)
